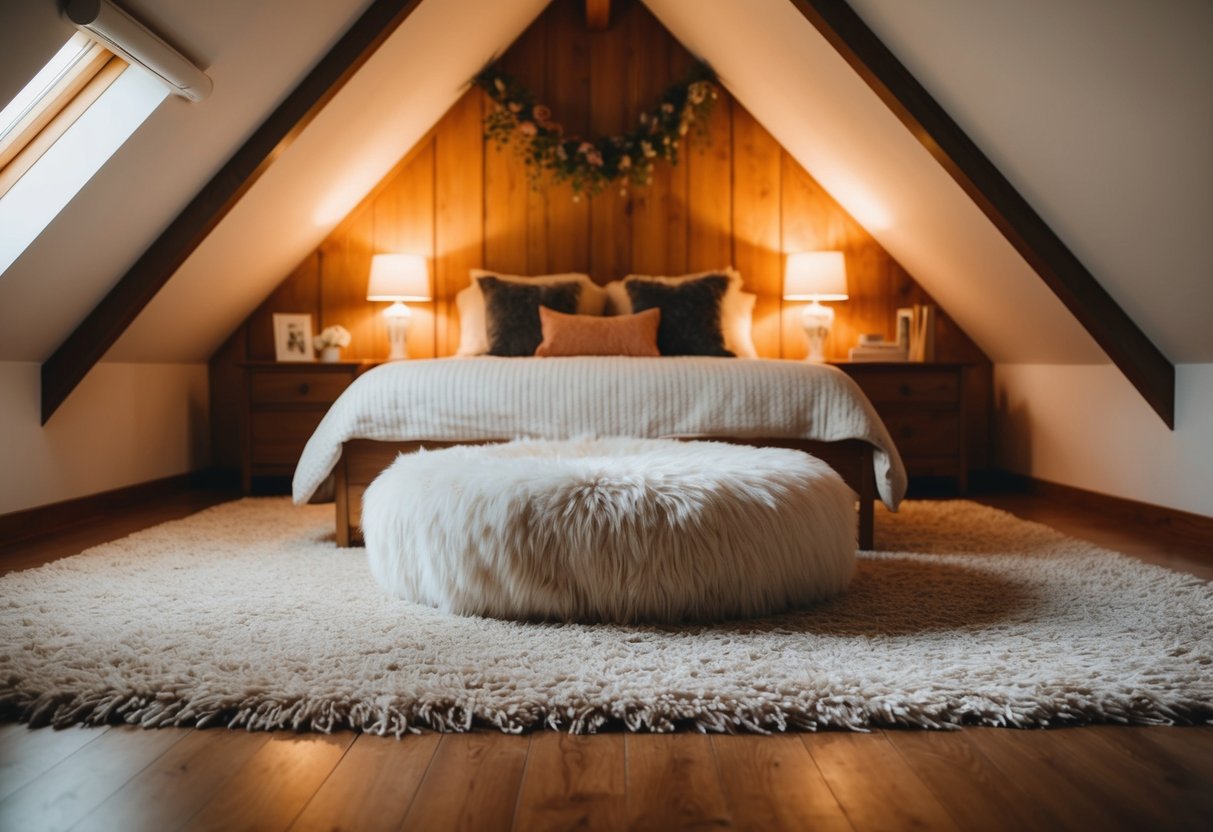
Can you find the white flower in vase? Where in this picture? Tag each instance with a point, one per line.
(331, 341)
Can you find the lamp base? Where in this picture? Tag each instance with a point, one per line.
(817, 320)
(397, 316)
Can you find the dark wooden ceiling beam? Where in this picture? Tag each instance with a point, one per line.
(597, 15)
(102, 327)
(1141, 362)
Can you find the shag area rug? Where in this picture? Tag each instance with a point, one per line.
(248, 615)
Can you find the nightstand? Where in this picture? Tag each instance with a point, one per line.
(922, 405)
(284, 402)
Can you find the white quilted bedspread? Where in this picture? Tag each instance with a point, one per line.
(559, 398)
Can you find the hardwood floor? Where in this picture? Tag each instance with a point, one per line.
(122, 778)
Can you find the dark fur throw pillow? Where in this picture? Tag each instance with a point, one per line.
(511, 312)
(690, 313)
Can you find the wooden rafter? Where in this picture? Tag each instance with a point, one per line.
(1141, 362)
(110, 318)
(597, 14)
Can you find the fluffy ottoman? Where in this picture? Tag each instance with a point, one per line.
(617, 530)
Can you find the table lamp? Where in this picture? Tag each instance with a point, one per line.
(397, 278)
(816, 276)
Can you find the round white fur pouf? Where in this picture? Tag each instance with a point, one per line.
(610, 530)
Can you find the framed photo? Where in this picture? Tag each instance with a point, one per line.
(293, 337)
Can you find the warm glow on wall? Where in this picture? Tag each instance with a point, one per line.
(857, 199)
(352, 185)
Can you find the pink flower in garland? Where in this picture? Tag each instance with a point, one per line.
(583, 163)
(591, 154)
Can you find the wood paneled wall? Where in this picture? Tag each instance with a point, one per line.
(736, 198)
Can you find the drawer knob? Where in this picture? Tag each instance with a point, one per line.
(304, 389)
(905, 390)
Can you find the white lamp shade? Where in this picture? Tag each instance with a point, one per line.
(398, 277)
(815, 275)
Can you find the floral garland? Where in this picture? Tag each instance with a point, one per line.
(590, 166)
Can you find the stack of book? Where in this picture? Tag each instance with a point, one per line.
(875, 348)
(915, 338)
(922, 332)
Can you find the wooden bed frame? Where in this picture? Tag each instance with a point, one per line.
(363, 459)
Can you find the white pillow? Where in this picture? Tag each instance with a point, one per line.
(736, 307)
(473, 334)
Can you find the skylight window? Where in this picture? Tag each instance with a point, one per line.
(58, 133)
(55, 97)
(38, 89)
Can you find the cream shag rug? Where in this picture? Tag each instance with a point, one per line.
(248, 615)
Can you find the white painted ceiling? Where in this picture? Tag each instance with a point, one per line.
(1125, 207)
(1100, 112)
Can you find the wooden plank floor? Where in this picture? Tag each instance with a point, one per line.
(121, 778)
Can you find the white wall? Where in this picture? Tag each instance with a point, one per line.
(1085, 426)
(124, 424)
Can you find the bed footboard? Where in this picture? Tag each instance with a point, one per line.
(362, 460)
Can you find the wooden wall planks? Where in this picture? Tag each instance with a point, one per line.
(736, 197)
(458, 212)
(756, 210)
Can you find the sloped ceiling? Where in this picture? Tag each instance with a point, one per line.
(806, 95)
(255, 53)
(767, 54)
(1100, 112)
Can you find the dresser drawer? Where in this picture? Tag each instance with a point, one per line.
(926, 386)
(923, 432)
(278, 436)
(298, 387)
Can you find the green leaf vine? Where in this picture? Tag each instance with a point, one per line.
(592, 165)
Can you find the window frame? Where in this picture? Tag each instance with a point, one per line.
(49, 117)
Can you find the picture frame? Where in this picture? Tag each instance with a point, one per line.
(293, 337)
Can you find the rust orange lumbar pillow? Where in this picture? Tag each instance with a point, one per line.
(591, 335)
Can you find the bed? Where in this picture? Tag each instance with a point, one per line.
(405, 406)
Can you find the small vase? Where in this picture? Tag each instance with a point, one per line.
(330, 355)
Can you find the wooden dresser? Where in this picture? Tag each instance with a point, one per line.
(922, 405)
(284, 402)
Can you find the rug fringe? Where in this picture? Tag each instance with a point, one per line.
(394, 717)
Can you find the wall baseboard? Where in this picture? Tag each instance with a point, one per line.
(1172, 522)
(29, 523)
